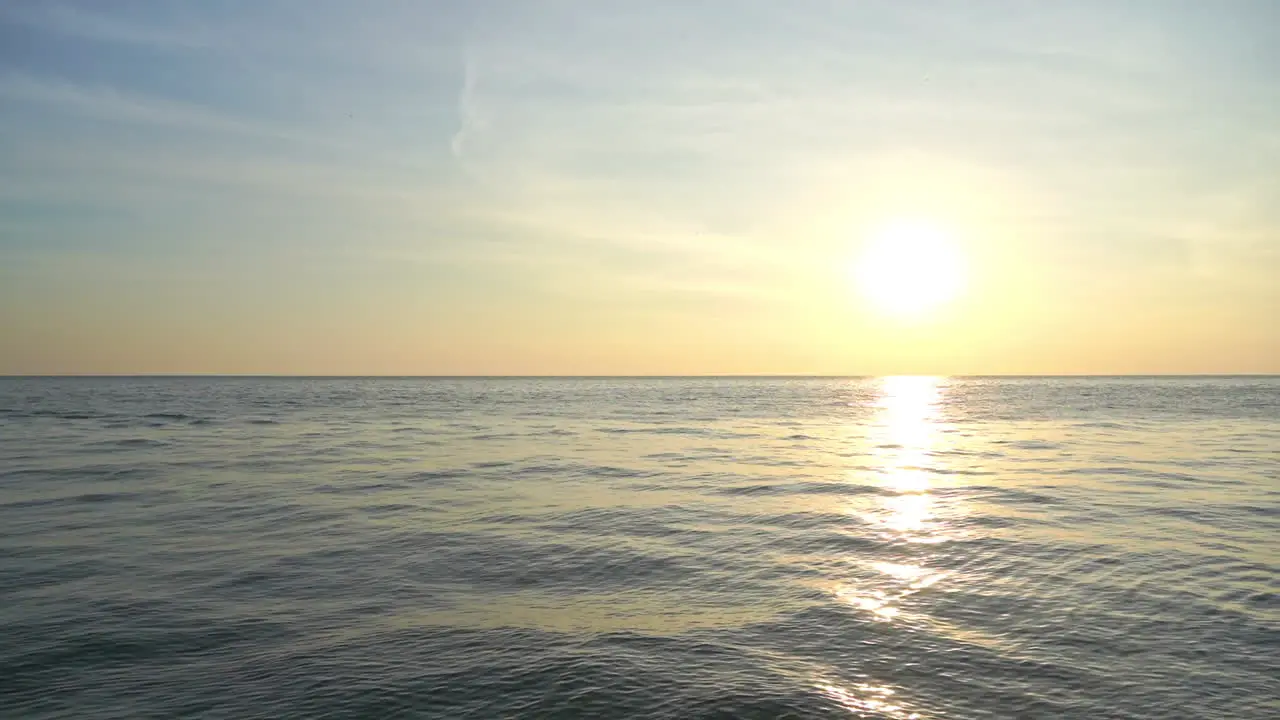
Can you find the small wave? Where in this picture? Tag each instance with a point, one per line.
(434, 476)
(1104, 425)
(388, 508)
(1016, 496)
(802, 488)
(105, 497)
(656, 430)
(84, 498)
(167, 416)
(803, 520)
(958, 471)
(1029, 444)
(19, 414)
(137, 442)
(358, 488)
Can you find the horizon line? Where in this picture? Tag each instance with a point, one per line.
(708, 376)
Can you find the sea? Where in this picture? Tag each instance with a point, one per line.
(901, 547)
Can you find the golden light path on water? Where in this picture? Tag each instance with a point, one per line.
(906, 430)
(909, 430)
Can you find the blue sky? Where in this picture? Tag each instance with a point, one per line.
(627, 187)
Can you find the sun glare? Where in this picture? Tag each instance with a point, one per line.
(910, 268)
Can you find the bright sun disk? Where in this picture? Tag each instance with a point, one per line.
(910, 268)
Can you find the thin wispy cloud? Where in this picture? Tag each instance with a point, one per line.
(470, 119)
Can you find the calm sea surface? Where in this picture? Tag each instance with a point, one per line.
(640, 548)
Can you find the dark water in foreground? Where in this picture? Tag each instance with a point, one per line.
(667, 548)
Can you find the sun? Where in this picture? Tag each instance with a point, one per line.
(910, 268)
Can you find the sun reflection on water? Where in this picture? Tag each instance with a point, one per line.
(865, 698)
(907, 427)
(906, 430)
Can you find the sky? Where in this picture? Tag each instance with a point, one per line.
(613, 188)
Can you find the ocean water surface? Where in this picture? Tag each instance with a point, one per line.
(640, 548)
